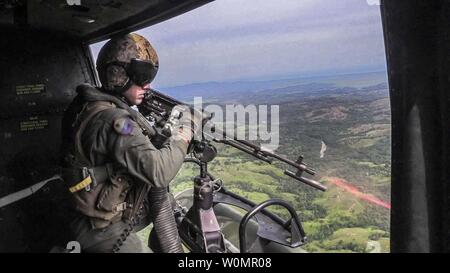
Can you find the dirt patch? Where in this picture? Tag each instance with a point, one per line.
(335, 113)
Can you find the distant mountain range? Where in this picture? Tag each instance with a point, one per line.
(217, 90)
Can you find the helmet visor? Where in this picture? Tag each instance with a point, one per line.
(141, 72)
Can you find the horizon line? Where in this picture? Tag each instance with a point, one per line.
(281, 79)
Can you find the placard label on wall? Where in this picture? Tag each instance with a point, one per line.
(33, 124)
(30, 89)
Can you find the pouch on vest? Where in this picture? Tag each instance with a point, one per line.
(105, 202)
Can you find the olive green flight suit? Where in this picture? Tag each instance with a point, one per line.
(112, 135)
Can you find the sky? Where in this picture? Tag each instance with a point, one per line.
(235, 40)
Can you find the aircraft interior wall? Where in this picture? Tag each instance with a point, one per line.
(39, 71)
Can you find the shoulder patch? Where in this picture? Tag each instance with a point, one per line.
(124, 126)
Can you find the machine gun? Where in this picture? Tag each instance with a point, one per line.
(198, 226)
(157, 107)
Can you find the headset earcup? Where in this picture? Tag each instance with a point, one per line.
(116, 78)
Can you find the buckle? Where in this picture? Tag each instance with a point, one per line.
(120, 207)
(89, 173)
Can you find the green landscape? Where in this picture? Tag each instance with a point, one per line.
(348, 114)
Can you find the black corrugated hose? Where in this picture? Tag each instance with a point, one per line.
(164, 221)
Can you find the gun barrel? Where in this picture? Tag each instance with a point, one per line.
(307, 181)
(257, 150)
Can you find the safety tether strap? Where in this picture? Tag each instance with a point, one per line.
(17, 196)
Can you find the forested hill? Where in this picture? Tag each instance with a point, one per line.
(351, 117)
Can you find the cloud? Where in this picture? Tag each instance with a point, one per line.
(240, 39)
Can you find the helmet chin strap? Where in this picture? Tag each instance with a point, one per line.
(119, 95)
(124, 99)
(124, 89)
(118, 91)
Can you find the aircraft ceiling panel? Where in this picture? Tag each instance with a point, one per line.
(81, 20)
(91, 20)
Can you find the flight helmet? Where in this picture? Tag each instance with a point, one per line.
(126, 60)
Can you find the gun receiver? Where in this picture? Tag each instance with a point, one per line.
(157, 106)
